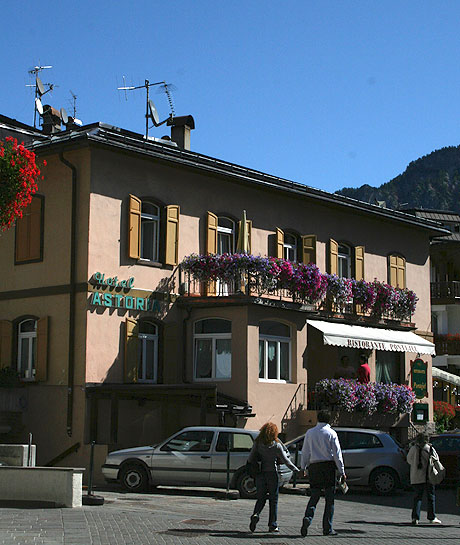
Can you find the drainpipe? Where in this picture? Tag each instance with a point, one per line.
(184, 345)
(72, 298)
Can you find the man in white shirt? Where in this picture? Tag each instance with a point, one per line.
(322, 455)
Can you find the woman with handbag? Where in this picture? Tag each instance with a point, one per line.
(269, 452)
(418, 458)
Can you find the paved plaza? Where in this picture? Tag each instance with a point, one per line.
(192, 516)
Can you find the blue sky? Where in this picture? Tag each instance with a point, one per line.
(331, 94)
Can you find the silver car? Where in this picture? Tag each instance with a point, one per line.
(371, 457)
(195, 456)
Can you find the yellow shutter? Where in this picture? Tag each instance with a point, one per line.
(279, 243)
(309, 249)
(134, 227)
(35, 227)
(131, 350)
(333, 256)
(359, 262)
(6, 339)
(211, 234)
(41, 364)
(393, 270)
(401, 272)
(172, 234)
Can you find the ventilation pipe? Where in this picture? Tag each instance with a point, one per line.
(180, 130)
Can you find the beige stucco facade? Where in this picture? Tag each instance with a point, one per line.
(106, 174)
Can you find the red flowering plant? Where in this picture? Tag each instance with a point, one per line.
(18, 180)
(443, 413)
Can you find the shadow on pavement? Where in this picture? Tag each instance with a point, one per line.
(238, 534)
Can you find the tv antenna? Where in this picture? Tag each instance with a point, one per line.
(74, 103)
(36, 69)
(151, 111)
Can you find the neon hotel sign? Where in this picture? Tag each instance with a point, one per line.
(120, 300)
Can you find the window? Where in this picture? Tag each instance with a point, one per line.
(359, 440)
(153, 231)
(27, 348)
(29, 232)
(213, 349)
(190, 441)
(290, 247)
(148, 352)
(344, 261)
(387, 367)
(239, 442)
(225, 236)
(150, 230)
(397, 271)
(274, 351)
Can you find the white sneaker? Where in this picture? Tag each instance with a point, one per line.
(435, 521)
(414, 522)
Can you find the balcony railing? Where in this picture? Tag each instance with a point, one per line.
(445, 290)
(446, 345)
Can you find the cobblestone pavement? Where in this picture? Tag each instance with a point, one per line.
(172, 516)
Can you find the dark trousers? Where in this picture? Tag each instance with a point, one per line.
(321, 477)
(418, 496)
(267, 487)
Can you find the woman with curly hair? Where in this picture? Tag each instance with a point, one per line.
(271, 453)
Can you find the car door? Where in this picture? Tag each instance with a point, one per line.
(361, 450)
(240, 444)
(184, 459)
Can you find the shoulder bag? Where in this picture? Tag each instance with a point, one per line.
(255, 467)
(436, 471)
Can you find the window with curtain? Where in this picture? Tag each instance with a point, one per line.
(290, 247)
(274, 351)
(150, 230)
(225, 236)
(27, 348)
(148, 352)
(388, 367)
(213, 349)
(344, 261)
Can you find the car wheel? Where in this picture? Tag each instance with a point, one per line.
(246, 486)
(384, 481)
(134, 478)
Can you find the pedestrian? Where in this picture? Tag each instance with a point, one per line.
(364, 371)
(321, 456)
(345, 369)
(418, 458)
(270, 452)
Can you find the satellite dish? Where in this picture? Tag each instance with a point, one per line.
(64, 116)
(154, 114)
(40, 86)
(39, 106)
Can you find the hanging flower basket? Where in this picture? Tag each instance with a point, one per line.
(18, 180)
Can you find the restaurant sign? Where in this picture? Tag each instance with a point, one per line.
(419, 378)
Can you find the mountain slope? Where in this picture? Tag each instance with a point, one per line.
(433, 181)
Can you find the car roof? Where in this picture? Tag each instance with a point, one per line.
(364, 430)
(219, 428)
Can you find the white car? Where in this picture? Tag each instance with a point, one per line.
(195, 456)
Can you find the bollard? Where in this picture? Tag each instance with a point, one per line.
(296, 462)
(228, 466)
(90, 499)
(29, 451)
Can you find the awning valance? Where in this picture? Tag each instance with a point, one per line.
(370, 338)
(445, 376)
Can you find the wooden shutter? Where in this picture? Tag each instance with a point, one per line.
(333, 257)
(6, 340)
(211, 234)
(279, 243)
(359, 262)
(397, 271)
(41, 365)
(134, 227)
(309, 249)
(29, 232)
(131, 350)
(172, 234)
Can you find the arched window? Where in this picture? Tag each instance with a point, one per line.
(344, 261)
(213, 349)
(27, 348)
(150, 229)
(274, 351)
(290, 247)
(225, 236)
(148, 352)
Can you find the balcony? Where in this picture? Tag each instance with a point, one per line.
(447, 344)
(280, 282)
(445, 292)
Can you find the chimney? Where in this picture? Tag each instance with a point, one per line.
(180, 130)
(51, 120)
